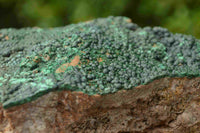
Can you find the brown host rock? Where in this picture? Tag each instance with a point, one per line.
(165, 105)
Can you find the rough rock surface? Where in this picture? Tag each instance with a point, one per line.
(105, 75)
(166, 105)
(97, 57)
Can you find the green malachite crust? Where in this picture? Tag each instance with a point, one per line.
(97, 57)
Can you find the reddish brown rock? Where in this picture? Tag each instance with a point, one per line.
(168, 105)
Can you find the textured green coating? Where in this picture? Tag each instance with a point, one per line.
(112, 54)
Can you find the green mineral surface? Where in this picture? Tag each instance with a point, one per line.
(96, 57)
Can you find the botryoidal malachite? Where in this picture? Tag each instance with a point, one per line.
(96, 57)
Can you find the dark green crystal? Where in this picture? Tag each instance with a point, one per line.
(112, 54)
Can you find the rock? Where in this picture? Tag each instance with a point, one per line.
(164, 105)
(105, 75)
(110, 51)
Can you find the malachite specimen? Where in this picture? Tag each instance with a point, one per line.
(96, 57)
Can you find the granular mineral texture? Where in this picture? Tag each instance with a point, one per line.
(100, 57)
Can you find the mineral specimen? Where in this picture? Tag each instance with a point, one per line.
(97, 57)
